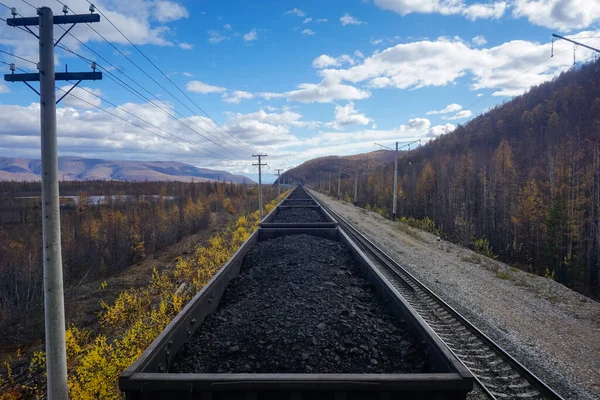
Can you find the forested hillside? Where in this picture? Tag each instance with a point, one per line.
(525, 176)
(106, 227)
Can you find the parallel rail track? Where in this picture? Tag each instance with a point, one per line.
(498, 374)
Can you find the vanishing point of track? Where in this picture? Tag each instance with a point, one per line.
(498, 374)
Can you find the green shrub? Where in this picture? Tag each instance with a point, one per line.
(482, 246)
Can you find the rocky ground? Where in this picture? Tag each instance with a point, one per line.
(552, 330)
(298, 214)
(299, 306)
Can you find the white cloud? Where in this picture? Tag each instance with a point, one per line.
(296, 11)
(308, 32)
(167, 11)
(324, 61)
(359, 54)
(459, 115)
(564, 15)
(307, 20)
(510, 68)
(348, 19)
(4, 88)
(227, 26)
(347, 115)
(188, 74)
(450, 108)
(203, 88)
(485, 11)
(251, 36)
(375, 42)
(321, 20)
(479, 95)
(215, 37)
(328, 90)
(186, 46)
(237, 96)
(445, 7)
(479, 40)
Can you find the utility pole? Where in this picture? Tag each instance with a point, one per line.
(339, 181)
(329, 190)
(278, 182)
(395, 197)
(260, 201)
(356, 186)
(56, 355)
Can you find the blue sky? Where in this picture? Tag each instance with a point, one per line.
(293, 79)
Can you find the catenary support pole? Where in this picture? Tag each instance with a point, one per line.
(356, 187)
(278, 182)
(260, 199)
(56, 354)
(394, 205)
(339, 181)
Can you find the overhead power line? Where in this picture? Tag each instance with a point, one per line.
(217, 125)
(16, 56)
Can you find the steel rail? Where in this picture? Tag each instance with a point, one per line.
(424, 300)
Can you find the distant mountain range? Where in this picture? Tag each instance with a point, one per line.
(81, 169)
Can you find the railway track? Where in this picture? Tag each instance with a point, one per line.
(498, 374)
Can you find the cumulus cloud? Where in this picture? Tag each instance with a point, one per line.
(348, 19)
(186, 46)
(445, 7)
(375, 42)
(203, 88)
(237, 96)
(450, 108)
(485, 11)
(324, 61)
(507, 68)
(308, 32)
(347, 115)
(295, 11)
(188, 74)
(328, 90)
(459, 115)
(307, 20)
(564, 15)
(479, 40)
(251, 36)
(166, 11)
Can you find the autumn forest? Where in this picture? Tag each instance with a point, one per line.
(523, 179)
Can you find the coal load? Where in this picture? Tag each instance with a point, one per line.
(300, 306)
(298, 215)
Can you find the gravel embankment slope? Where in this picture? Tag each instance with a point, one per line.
(299, 305)
(552, 330)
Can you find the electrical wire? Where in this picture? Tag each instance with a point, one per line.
(133, 91)
(19, 57)
(165, 76)
(208, 152)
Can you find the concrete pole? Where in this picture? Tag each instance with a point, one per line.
(56, 354)
(395, 184)
(339, 181)
(260, 203)
(356, 187)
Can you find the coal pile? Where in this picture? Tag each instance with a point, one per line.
(299, 306)
(298, 215)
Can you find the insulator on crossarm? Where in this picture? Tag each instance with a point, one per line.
(12, 67)
(92, 8)
(13, 11)
(65, 9)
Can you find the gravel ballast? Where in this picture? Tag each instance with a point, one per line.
(300, 306)
(549, 328)
(298, 215)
